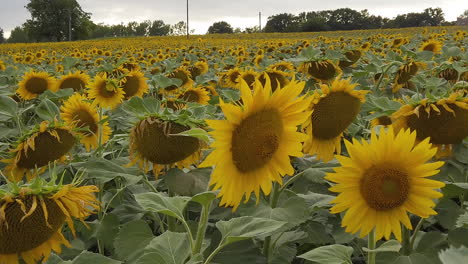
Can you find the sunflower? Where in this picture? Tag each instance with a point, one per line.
(81, 114)
(152, 141)
(182, 74)
(352, 56)
(252, 147)
(31, 222)
(249, 76)
(195, 95)
(105, 92)
(381, 121)
(41, 145)
(384, 179)
(332, 112)
(449, 74)
(199, 68)
(2, 65)
(230, 78)
(277, 78)
(282, 66)
(443, 121)
(432, 45)
(135, 84)
(321, 70)
(404, 74)
(76, 80)
(34, 84)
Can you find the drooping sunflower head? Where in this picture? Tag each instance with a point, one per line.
(333, 110)
(352, 56)
(443, 121)
(321, 70)
(278, 78)
(252, 146)
(105, 91)
(405, 73)
(35, 83)
(77, 80)
(449, 74)
(195, 95)
(384, 179)
(432, 45)
(79, 113)
(153, 141)
(45, 143)
(135, 84)
(282, 66)
(31, 220)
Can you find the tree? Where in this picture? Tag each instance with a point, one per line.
(158, 28)
(178, 29)
(434, 16)
(2, 38)
(50, 20)
(282, 23)
(18, 35)
(220, 27)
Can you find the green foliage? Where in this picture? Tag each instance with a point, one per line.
(220, 28)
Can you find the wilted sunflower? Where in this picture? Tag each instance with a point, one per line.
(352, 56)
(41, 145)
(332, 112)
(31, 221)
(152, 142)
(76, 80)
(444, 121)
(321, 70)
(404, 74)
(384, 179)
(105, 92)
(449, 74)
(252, 147)
(78, 113)
(34, 84)
(432, 45)
(195, 95)
(135, 84)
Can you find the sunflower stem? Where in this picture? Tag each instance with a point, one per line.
(415, 233)
(371, 245)
(291, 181)
(406, 241)
(216, 251)
(202, 225)
(382, 76)
(275, 193)
(171, 220)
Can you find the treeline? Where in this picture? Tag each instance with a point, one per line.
(349, 19)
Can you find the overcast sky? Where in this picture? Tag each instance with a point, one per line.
(239, 13)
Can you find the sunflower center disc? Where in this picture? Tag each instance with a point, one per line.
(191, 96)
(106, 91)
(33, 231)
(443, 127)
(131, 86)
(36, 85)
(74, 83)
(277, 80)
(249, 79)
(256, 139)
(322, 70)
(47, 149)
(385, 121)
(384, 188)
(153, 142)
(85, 119)
(333, 114)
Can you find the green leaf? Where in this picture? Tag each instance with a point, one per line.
(242, 252)
(8, 106)
(138, 106)
(204, 198)
(105, 170)
(310, 53)
(388, 246)
(164, 81)
(317, 200)
(462, 221)
(107, 230)
(332, 254)
(196, 133)
(132, 239)
(415, 258)
(168, 248)
(448, 212)
(454, 255)
(430, 241)
(458, 237)
(155, 202)
(47, 110)
(246, 227)
(87, 257)
(188, 183)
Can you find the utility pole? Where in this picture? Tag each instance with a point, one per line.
(187, 22)
(69, 25)
(259, 21)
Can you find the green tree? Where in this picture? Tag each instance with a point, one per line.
(2, 38)
(434, 16)
(179, 29)
(50, 20)
(142, 29)
(158, 28)
(220, 27)
(18, 35)
(283, 22)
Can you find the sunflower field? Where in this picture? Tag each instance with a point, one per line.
(331, 147)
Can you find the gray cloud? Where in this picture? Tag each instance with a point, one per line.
(240, 13)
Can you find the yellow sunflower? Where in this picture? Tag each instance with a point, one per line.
(35, 83)
(199, 68)
(277, 78)
(182, 74)
(81, 114)
(444, 121)
(105, 91)
(31, 223)
(135, 84)
(77, 80)
(381, 121)
(282, 66)
(384, 179)
(352, 56)
(249, 76)
(253, 145)
(2, 65)
(332, 112)
(404, 74)
(230, 78)
(195, 95)
(321, 70)
(152, 142)
(432, 45)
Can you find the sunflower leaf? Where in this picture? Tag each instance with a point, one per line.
(196, 133)
(168, 248)
(88, 257)
(331, 254)
(8, 106)
(47, 110)
(454, 255)
(132, 239)
(155, 202)
(388, 246)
